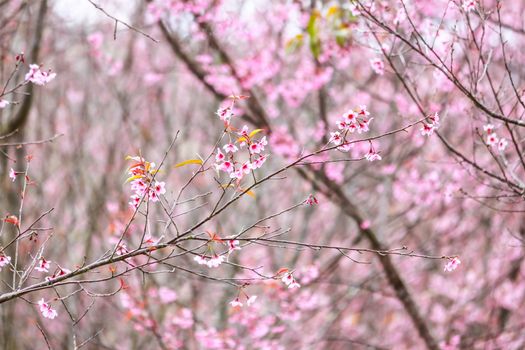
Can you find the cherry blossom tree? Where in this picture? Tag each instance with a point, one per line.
(247, 174)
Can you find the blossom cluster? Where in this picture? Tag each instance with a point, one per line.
(143, 183)
(46, 309)
(230, 159)
(433, 124)
(39, 77)
(353, 120)
(216, 260)
(492, 138)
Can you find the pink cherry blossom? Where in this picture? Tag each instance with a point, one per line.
(4, 104)
(378, 66)
(452, 264)
(236, 303)
(46, 310)
(230, 148)
(12, 174)
(219, 156)
(43, 265)
(38, 77)
(4, 260)
(311, 200)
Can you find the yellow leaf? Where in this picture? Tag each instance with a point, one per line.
(189, 161)
(255, 132)
(242, 139)
(129, 179)
(250, 193)
(332, 10)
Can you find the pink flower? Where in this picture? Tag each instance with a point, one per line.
(377, 66)
(230, 148)
(3, 104)
(215, 261)
(4, 260)
(335, 138)
(502, 144)
(12, 174)
(251, 300)
(219, 157)
(159, 188)
(372, 155)
(233, 245)
(236, 303)
(225, 113)
(46, 310)
(489, 128)
(38, 77)
(134, 201)
(43, 265)
(227, 166)
(469, 5)
(290, 281)
(452, 264)
(492, 139)
(351, 116)
(256, 164)
(428, 128)
(255, 148)
(311, 200)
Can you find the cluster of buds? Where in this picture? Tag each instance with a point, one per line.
(142, 182)
(433, 124)
(492, 138)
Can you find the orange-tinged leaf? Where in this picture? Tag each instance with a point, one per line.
(189, 161)
(282, 270)
(11, 219)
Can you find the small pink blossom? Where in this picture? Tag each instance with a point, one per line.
(311, 200)
(452, 264)
(469, 5)
(502, 144)
(236, 303)
(219, 157)
(492, 139)
(488, 128)
(372, 155)
(251, 300)
(335, 138)
(230, 148)
(378, 66)
(43, 265)
(4, 260)
(4, 104)
(46, 310)
(12, 174)
(227, 166)
(233, 244)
